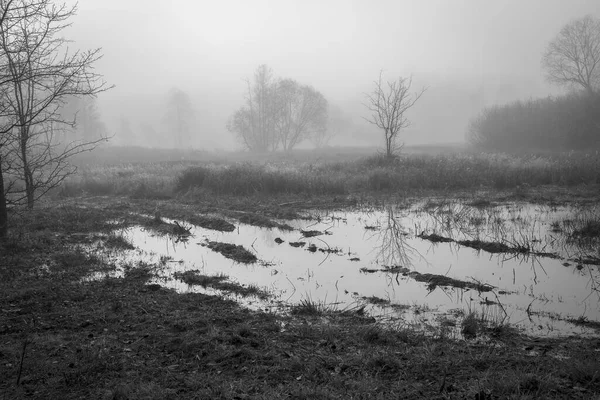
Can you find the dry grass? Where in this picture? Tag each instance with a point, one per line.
(322, 177)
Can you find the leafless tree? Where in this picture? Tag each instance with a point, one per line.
(6, 126)
(573, 57)
(179, 116)
(278, 112)
(302, 113)
(388, 104)
(3, 210)
(254, 123)
(39, 74)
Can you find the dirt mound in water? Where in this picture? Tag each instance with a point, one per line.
(234, 252)
(213, 223)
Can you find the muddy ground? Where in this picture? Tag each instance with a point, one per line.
(62, 336)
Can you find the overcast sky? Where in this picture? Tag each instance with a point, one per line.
(339, 46)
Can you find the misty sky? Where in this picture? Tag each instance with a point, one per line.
(468, 52)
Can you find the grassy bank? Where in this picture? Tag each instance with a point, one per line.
(62, 336)
(374, 174)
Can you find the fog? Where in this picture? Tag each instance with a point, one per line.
(469, 53)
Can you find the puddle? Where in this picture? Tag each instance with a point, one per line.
(384, 259)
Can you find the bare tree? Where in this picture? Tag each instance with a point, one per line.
(573, 57)
(39, 74)
(6, 126)
(302, 113)
(278, 112)
(388, 105)
(254, 123)
(3, 209)
(179, 115)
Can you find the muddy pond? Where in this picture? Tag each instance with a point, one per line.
(533, 266)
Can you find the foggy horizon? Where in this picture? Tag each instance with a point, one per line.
(468, 54)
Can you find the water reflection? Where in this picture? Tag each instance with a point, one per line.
(531, 289)
(392, 247)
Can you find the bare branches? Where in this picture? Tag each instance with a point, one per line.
(38, 76)
(278, 112)
(302, 113)
(388, 105)
(573, 57)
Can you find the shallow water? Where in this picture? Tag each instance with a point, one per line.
(535, 293)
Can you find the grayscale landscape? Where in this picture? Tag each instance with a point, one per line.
(299, 199)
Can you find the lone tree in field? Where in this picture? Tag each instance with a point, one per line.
(40, 74)
(388, 104)
(573, 57)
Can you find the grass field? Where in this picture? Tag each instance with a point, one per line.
(123, 337)
(341, 173)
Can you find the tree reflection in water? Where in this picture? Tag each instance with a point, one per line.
(394, 249)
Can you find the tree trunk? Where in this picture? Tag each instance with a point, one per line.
(27, 175)
(389, 145)
(3, 210)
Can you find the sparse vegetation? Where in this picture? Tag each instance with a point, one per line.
(366, 175)
(214, 223)
(220, 282)
(194, 277)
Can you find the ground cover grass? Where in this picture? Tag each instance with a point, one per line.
(62, 336)
(275, 175)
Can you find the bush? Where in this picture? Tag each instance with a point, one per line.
(191, 177)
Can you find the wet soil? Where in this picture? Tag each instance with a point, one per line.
(126, 338)
(433, 280)
(220, 283)
(262, 221)
(234, 252)
(487, 246)
(214, 223)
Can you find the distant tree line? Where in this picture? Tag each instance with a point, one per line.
(279, 113)
(555, 123)
(568, 122)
